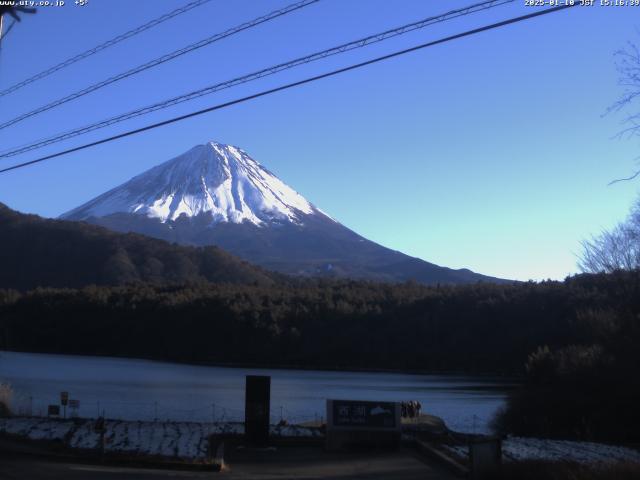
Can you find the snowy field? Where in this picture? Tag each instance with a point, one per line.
(520, 448)
(176, 440)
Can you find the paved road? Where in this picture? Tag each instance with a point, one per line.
(291, 464)
(29, 469)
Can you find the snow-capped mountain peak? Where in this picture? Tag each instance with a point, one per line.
(214, 178)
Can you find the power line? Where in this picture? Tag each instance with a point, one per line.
(362, 42)
(164, 58)
(295, 84)
(103, 46)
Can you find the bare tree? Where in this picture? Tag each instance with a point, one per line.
(628, 67)
(14, 10)
(619, 248)
(615, 249)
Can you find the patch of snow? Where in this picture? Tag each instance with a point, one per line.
(85, 437)
(521, 448)
(293, 431)
(180, 440)
(36, 428)
(458, 450)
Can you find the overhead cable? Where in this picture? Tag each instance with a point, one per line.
(103, 46)
(360, 43)
(263, 93)
(160, 60)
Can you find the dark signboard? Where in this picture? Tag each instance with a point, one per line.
(364, 414)
(53, 410)
(256, 411)
(362, 423)
(64, 398)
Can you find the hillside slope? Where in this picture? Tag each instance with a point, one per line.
(37, 252)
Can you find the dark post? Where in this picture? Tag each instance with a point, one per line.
(100, 428)
(485, 457)
(256, 409)
(64, 399)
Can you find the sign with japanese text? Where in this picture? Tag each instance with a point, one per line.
(363, 414)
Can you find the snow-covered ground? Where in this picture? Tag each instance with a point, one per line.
(189, 440)
(179, 440)
(36, 429)
(520, 448)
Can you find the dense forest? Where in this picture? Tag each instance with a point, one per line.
(329, 323)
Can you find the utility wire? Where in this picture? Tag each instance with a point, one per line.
(103, 46)
(164, 58)
(295, 84)
(379, 37)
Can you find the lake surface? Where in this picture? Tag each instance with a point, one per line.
(144, 389)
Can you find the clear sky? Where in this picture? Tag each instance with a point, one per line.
(490, 152)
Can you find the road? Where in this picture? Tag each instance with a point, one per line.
(301, 464)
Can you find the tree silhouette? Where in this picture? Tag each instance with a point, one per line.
(628, 67)
(13, 11)
(615, 249)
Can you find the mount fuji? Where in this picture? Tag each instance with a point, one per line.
(216, 194)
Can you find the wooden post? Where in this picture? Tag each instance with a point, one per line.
(257, 409)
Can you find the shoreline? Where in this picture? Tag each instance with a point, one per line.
(503, 376)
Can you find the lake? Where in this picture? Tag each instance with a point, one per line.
(132, 389)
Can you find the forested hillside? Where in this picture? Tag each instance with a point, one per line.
(36, 252)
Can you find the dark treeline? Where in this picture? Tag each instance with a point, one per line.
(588, 389)
(337, 324)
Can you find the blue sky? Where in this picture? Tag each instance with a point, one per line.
(490, 152)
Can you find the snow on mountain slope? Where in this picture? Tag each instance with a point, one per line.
(215, 178)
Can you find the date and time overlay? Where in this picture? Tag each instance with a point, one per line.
(582, 3)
